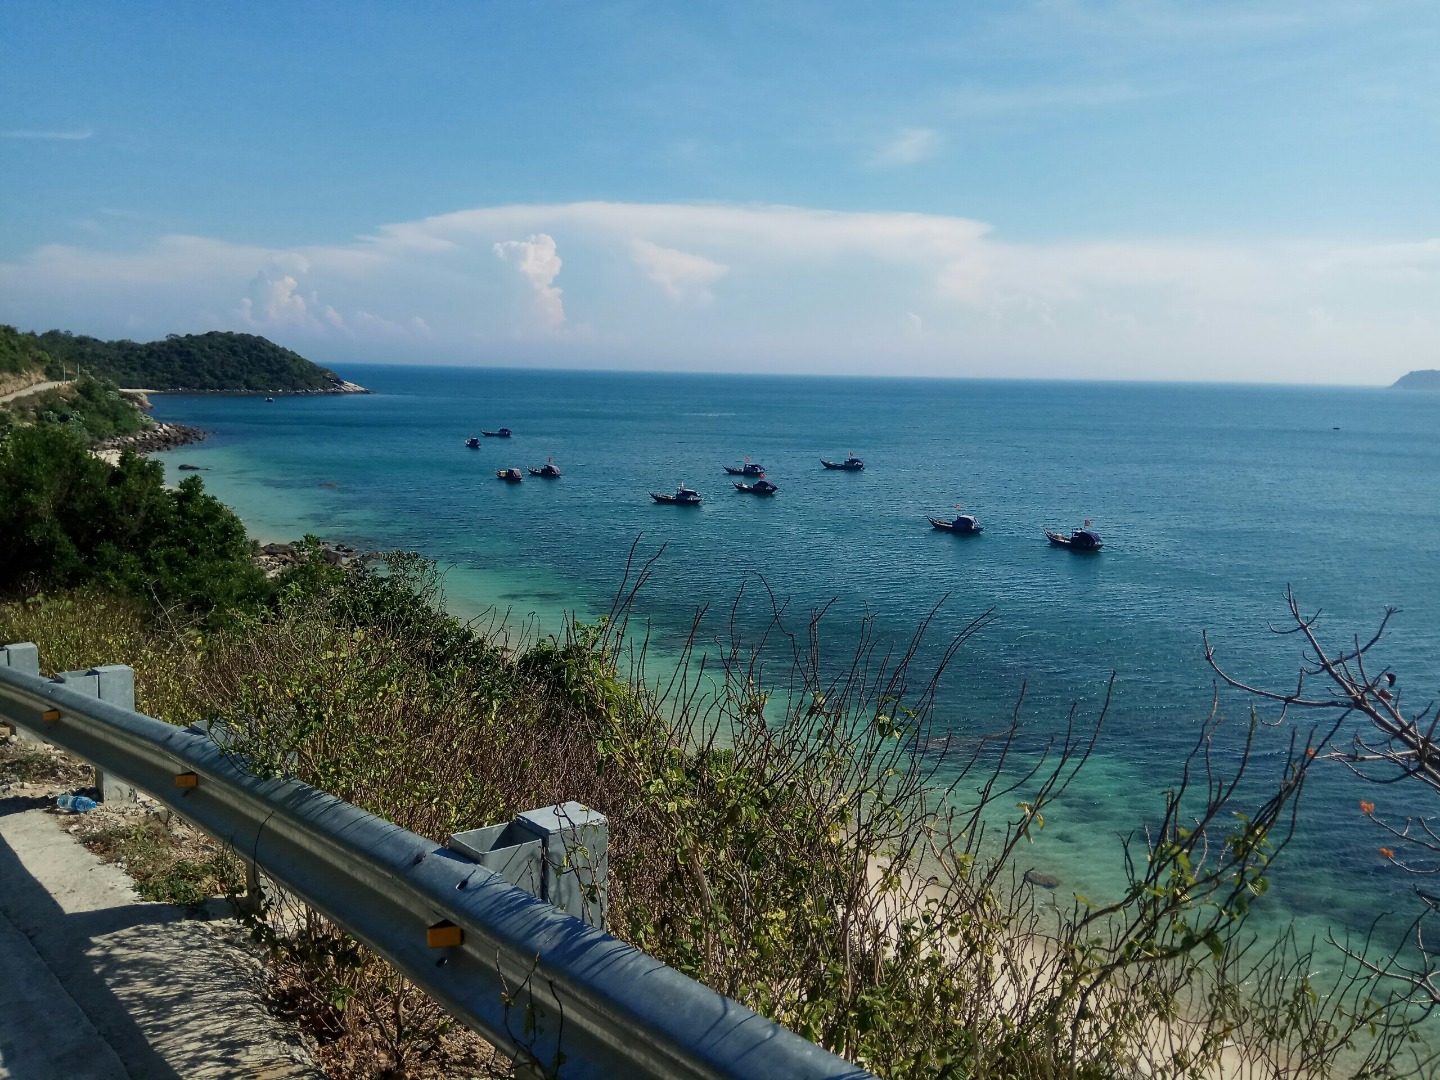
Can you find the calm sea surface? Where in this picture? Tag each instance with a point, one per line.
(1211, 500)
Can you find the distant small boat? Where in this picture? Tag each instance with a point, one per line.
(510, 476)
(759, 487)
(748, 469)
(963, 525)
(473, 442)
(503, 433)
(271, 400)
(1086, 539)
(683, 497)
(549, 470)
(850, 464)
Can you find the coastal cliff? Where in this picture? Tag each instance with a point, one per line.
(1418, 380)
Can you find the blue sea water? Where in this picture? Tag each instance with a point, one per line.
(1211, 499)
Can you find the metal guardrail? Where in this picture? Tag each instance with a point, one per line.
(564, 998)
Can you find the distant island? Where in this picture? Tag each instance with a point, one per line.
(217, 362)
(1418, 380)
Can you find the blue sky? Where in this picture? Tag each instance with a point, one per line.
(1144, 189)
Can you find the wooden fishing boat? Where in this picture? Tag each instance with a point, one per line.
(510, 476)
(963, 525)
(473, 442)
(549, 470)
(503, 433)
(760, 487)
(683, 496)
(1086, 539)
(748, 469)
(850, 464)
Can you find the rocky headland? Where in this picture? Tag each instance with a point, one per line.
(1418, 380)
(337, 386)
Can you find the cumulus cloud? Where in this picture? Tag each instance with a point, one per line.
(535, 259)
(908, 146)
(683, 275)
(274, 300)
(274, 297)
(812, 289)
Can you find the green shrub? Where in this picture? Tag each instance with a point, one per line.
(67, 518)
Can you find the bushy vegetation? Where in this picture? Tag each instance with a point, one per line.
(20, 353)
(783, 839)
(68, 519)
(92, 409)
(213, 361)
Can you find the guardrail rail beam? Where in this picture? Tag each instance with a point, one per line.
(564, 998)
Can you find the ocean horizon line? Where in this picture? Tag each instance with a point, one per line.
(750, 376)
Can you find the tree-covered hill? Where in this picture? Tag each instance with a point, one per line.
(216, 361)
(19, 353)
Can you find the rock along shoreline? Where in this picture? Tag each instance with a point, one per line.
(160, 437)
(340, 386)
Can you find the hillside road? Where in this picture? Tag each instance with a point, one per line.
(38, 388)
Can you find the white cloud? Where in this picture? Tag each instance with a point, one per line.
(536, 260)
(63, 136)
(274, 300)
(683, 276)
(908, 146)
(809, 289)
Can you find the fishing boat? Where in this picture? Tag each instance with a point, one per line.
(510, 476)
(549, 470)
(747, 469)
(850, 464)
(759, 487)
(503, 433)
(683, 497)
(962, 525)
(1084, 539)
(271, 401)
(473, 442)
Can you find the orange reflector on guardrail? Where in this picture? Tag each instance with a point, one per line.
(187, 779)
(50, 714)
(443, 934)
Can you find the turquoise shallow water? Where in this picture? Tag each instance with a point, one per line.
(1211, 500)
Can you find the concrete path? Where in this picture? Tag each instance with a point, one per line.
(37, 388)
(97, 983)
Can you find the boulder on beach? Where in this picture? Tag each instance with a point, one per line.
(1043, 881)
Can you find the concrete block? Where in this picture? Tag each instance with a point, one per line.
(23, 657)
(559, 854)
(115, 685)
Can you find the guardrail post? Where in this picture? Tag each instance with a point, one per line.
(114, 684)
(23, 657)
(557, 853)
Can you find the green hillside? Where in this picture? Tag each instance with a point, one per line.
(215, 361)
(19, 353)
